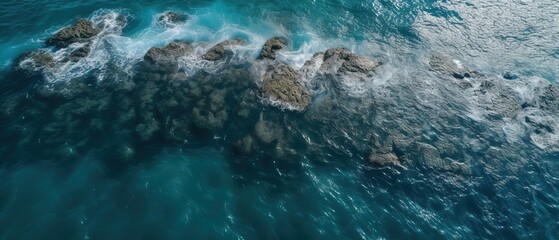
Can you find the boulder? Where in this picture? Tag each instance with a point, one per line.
(220, 50)
(271, 46)
(282, 84)
(81, 31)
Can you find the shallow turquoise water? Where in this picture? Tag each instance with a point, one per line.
(72, 182)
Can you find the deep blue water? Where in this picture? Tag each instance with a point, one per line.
(74, 164)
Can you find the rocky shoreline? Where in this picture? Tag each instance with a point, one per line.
(392, 128)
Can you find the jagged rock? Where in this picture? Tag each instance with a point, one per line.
(81, 31)
(271, 46)
(168, 18)
(220, 50)
(281, 83)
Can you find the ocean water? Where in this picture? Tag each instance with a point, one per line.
(93, 150)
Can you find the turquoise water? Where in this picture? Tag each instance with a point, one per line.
(74, 165)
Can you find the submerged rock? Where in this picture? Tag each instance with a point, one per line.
(267, 131)
(222, 49)
(271, 46)
(245, 146)
(36, 60)
(384, 159)
(282, 84)
(510, 76)
(549, 98)
(452, 67)
(173, 18)
(81, 31)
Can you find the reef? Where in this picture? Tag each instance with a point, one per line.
(452, 119)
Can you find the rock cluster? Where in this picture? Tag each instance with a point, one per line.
(455, 123)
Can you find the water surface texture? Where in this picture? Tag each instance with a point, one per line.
(453, 135)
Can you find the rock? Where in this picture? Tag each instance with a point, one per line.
(164, 60)
(341, 60)
(220, 50)
(282, 84)
(172, 18)
(173, 50)
(334, 58)
(549, 98)
(358, 64)
(271, 46)
(384, 159)
(81, 31)
(510, 76)
(34, 62)
(43, 59)
(452, 67)
(79, 53)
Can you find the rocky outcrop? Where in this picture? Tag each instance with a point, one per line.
(282, 84)
(172, 18)
(272, 46)
(81, 31)
(221, 50)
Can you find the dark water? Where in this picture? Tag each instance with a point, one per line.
(97, 149)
